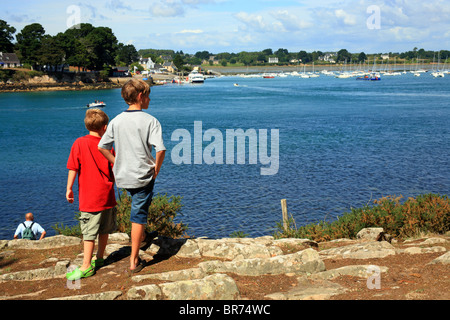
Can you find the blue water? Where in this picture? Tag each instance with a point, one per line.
(342, 143)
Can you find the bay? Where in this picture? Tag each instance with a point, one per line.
(342, 143)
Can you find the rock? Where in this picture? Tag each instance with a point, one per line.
(306, 261)
(444, 259)
(186, 274)
(295, 242)
(187, 248)
(108, 295)
(148, 292)
(362, 271)
(230, 250)
(38, 274)
(3, 244)
(119, 237)
(46, 243)
(434, 241)
(370, 234)
(305, 290)
(214, 287)
(360, 251)
(417, 250)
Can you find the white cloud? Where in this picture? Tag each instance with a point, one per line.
(291, 22)
(167, 8)
(255, 22)
(348, 19)
(190, 31)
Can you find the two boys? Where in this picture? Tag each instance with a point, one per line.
(131, 165)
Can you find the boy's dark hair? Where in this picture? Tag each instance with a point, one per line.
(132, 88)
(95, 119)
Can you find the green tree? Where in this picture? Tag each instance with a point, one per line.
(344, 55)
(51, 52)
(178, 61)
(102, 45)
(304, 56)
(126, 54)
(6, 37)
(29, 43)
(362, 57)
(203, 55)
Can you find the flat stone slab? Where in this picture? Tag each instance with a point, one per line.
(305, 261)
(367, 250)
(213, 287)
(305, 290)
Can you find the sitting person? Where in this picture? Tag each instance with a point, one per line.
(30, 229)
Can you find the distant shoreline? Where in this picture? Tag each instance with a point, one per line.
(117, 82)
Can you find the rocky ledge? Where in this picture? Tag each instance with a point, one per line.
(212, 277)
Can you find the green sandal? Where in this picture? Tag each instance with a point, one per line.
(97, 263)
(78, 274)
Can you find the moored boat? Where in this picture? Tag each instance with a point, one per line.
(96, 104)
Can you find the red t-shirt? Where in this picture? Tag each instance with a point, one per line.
(95, 177)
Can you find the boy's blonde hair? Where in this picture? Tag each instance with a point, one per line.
(95, 119)
(132, 88)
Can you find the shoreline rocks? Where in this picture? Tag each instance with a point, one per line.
(211, 280)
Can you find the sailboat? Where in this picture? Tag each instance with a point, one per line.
(437, 73)
(371, 76)
(313, 74)
(303, 74)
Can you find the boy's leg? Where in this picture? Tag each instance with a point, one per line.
(89, 224)
(108, 225)
(102, 242)
(137, 231)
(88, 251)
(141, 199)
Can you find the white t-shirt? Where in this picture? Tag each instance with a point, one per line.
(133, 134)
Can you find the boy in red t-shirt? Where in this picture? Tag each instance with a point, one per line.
(96, 192)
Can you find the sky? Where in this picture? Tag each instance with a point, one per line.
(369, 26)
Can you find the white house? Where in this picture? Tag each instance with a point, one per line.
(147, 63)
(273, 59)
(9, 60)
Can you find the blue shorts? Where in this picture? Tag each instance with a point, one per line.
(141, 198)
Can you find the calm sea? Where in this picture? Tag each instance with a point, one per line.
(342, 143)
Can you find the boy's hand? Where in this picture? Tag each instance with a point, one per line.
(69, 196)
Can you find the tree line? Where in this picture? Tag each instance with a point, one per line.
(84, 46)
(97, 48)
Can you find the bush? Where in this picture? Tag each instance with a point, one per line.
(162, 213)
(426, 213)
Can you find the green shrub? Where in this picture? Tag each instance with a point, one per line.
(74, 231)
(426, 213)
(162, 213)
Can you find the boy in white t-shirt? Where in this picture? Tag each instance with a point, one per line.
(134, 133)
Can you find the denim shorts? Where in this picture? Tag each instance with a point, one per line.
(141, 198)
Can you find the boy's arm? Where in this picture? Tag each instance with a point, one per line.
(159, 161)
(108, 154)
(70, 182)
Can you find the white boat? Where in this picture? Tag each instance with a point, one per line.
(96, 104)
(438, 74)
(196, 77)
